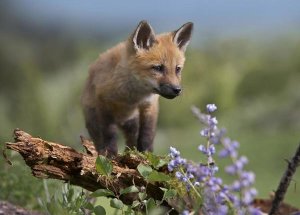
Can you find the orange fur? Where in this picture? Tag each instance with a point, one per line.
(123, 86)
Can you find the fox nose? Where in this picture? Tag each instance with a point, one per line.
(169, 91)
(177, 90)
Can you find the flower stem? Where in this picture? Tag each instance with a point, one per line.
(191, 184)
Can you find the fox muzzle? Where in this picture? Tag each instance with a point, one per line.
(168, 91)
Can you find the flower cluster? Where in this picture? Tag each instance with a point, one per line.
(179, 163)
(176, 159)
(211, 108)
(216, 197)
(245, 179)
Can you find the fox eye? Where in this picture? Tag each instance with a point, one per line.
(159, 68)
(178, 70)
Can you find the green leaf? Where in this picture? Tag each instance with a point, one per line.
(103, 165)
(70, 194)
(78, 203)
(169, 194)
(99, 210)
(158, 210)
(161, 163)
(135, 204)
(131, 189)
(142, 196)
(89, 206)
(150, 204)
(102, 192)
(153, 159)
(116, 203)
(158, 176)
(129, 211)
(144, 170)
(156, 161)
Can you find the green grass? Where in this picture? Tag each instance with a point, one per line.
(18, 185)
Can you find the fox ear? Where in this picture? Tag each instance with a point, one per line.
(143, 37)
(182, 36)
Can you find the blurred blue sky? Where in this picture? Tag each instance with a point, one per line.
(210, 17)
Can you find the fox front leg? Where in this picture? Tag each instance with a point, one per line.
(102, 131)
(148, 120)
(130, 129)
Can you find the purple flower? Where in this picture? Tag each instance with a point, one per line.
(202, 149)
(224, 153)
(237, 166)
(222, 210)
(174, 152)
(211, 206)
(230, 148)
(247, 178)
(213, 122)
(184, 179)
(243, 159)
(231, 170)
(190, 175)
(178, 175)
(176, 161)
(211, 108)
(185, 212)
(236, 186)
(181, 161)
(248, 196)
(254, 211)
(214, 169)
(212, 149)
(214, 184)
(215, 139)
(216, 196)
(204, 132)
(222, 196)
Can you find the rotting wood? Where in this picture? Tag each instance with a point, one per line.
(52, 160)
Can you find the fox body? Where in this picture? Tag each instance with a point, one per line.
(124, 84)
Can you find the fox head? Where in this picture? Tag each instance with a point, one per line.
(157, 60)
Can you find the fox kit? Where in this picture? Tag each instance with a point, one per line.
(124, 85)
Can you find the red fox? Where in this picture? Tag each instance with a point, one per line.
(124, 85)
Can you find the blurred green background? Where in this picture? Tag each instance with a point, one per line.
(244, 57)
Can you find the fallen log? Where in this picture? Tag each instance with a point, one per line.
(53, 160)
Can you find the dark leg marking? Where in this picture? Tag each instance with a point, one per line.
(102, 131)
(148, 119)
(130, 129)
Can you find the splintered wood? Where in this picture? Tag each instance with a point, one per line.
(53, 160)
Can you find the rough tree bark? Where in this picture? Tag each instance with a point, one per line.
(285, 181)
(52, 160)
